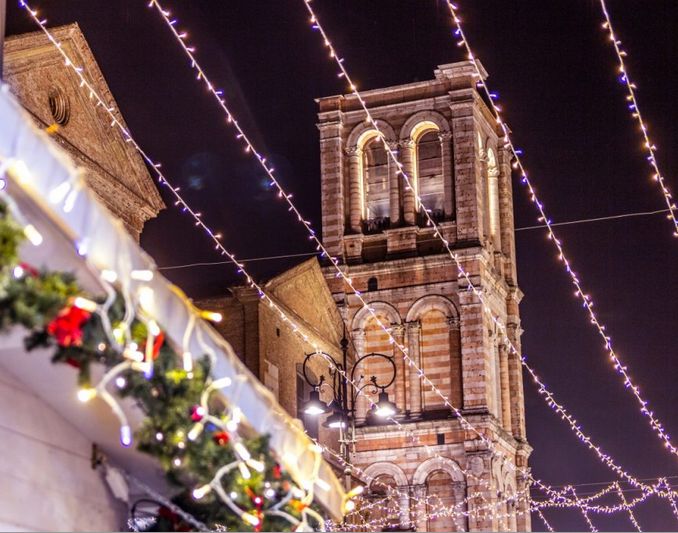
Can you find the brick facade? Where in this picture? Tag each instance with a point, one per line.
(113, 169)
(465, 182)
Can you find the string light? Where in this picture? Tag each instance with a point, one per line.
(115, 122)
(632, 516)
(587, 301)
(634, 109)
(369, 118)
(583, 512)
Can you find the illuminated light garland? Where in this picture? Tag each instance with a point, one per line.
(146, 299)
(543, 519)
(163, 180)
(671, 496)
(632, 516)
(554, 405)
(583, 511)
(634, 109)
(587, 301)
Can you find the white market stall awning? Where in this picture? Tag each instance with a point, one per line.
(87, 239)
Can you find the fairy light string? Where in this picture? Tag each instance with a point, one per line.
(632, 516)
(543, 519)
(586, 299)
(179, 201)
(249, 147)
(634, 109)
(343, 73)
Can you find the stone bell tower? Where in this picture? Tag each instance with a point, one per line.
(447, 139)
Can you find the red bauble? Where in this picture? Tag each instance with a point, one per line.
(197, 413)
(277, 472)
(157, 344)
(66, 328)
(221, 438)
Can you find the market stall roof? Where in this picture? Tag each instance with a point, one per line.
(84, 237)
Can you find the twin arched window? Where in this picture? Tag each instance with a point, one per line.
(374, 182)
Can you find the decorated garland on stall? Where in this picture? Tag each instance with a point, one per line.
(179, 430)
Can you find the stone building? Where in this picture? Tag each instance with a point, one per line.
(46, 472)
(448, 141)
(114, 170)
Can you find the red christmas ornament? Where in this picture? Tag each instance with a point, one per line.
(221, 438)
(66, 328)
(277, 472)
(73, 362)
(157, 344)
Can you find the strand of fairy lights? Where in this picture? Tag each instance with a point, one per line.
(671, 496)
(543, 519)
(634, 108)
(587, 301)
(136, 360)
(180, 37)
(250, 148)
(585, 514)
(162, 179)
(369, 118)
(632, 516)
(175, 191)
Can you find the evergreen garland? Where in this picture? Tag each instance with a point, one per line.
(42, 302)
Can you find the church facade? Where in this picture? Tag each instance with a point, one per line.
(447, 139)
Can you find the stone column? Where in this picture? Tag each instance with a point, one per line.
(355, 155)
(493, 207)
(456, 383)
(398, 332)
(448, 173)
(522, 518)
(407, 158)
(420, 510)
(404, 507)
(505, 388)
(361, 401)
(413, 346)
(460, 519)
(394, 186)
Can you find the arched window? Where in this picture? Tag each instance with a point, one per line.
(429, 181)
(436, 357)
(374, 183)
(440, 492)
(387, 512)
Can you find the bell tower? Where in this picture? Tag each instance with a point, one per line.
(447, 139)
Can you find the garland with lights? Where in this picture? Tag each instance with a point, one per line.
(182, 425)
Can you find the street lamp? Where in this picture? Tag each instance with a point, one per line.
(343, 404)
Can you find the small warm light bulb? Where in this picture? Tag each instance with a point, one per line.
(250, 519)
(159, 436)
(349, 506)
(85, 395)
(85, 304)
(141, 275)
(212, 316)
(176, 461)
(120, 382)
(109, 275)
(201, 492)
(233, 495)
(125, 435)
(33, 235)
(18, 272)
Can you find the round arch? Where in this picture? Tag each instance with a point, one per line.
(363, 315)
(421, 122)
(388, 469)
(435, 464)
(431, 302)
(365, 132)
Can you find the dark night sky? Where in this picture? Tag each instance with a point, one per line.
(556, 76)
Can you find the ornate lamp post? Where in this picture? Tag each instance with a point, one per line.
(343, 404)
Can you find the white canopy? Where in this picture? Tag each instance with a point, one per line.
(85, 238)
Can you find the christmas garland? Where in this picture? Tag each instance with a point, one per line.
(183, 426)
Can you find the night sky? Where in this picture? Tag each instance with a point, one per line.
(556, 76)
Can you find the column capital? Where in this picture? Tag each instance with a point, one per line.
(444, 136)
(352, 151)
(413, 325)
(406, 143)
(397, 329)
(453, 322)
